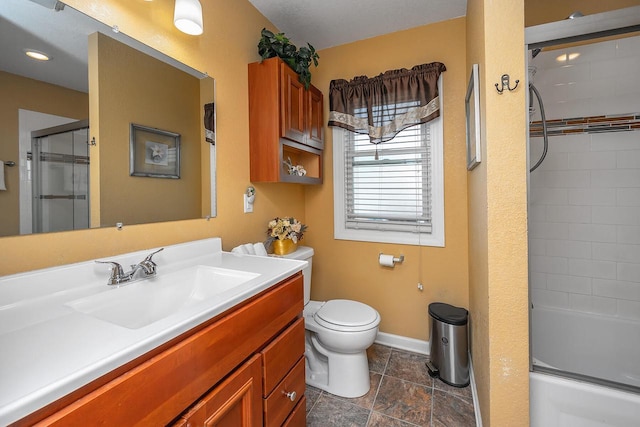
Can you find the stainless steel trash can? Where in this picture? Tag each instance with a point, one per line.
(449, 344)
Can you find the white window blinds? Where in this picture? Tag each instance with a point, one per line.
(392, 192)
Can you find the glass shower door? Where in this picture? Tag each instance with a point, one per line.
(61, 178)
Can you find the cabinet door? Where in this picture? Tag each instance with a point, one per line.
(314, 118)
(292, 96)
(236, 402)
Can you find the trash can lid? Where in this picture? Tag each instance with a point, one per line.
(448, 314)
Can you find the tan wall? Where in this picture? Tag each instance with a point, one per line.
(27, 94)
(348, 269)
(136, 88)
(231, 34)
(497, 217)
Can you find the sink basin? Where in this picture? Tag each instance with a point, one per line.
(141, 303)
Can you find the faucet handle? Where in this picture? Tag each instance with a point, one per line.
(117, 273)
(148, 258)
(148, 265)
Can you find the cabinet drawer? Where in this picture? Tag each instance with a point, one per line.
(279, 404)
(279, 357)
(298, 417)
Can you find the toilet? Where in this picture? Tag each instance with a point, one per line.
(338, 333)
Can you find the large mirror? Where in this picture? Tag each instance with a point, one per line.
(107, 131)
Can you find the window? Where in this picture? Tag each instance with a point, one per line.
(396, 198)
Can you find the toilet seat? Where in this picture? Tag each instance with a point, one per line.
(347, 316)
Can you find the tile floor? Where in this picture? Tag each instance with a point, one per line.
(402, 395)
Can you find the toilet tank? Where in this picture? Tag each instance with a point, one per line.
(304, 253)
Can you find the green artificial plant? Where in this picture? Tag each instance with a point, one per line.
(299, 60)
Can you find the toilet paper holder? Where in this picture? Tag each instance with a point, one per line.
(389, 260)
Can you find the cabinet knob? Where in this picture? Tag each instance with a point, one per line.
(291, 395)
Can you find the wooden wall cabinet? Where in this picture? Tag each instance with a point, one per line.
(243, 368)
(285, 122)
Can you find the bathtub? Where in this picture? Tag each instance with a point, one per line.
(562, 402)
(588, 345)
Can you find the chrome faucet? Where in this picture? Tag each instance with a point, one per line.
(118, 276)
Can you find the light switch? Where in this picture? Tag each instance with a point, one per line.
(248, 204)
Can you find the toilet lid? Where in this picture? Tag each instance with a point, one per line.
(346, 315)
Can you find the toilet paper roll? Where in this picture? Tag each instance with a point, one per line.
(386, 260)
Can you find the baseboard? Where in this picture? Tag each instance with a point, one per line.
(403, 343)
(423, 347)
(474, 393)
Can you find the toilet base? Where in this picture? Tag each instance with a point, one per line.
(344, 375)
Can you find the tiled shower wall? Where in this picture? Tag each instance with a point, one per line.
(584, 200)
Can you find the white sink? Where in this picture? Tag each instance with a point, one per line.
(144, 302)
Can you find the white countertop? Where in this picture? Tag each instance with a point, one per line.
(48, 349)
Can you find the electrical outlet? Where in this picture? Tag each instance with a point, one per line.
(248, 207)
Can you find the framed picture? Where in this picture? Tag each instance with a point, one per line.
(472, 104)
(154, 152)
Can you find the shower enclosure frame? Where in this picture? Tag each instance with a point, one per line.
(559, 397)
(36, 178)
(547, 410)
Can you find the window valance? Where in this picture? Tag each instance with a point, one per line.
(384, 105)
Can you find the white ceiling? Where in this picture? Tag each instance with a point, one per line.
(61, 34)
(327, 23)
(27, 25)
(323, 23)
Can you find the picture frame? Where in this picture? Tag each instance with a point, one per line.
(154, 152)
(472, 107)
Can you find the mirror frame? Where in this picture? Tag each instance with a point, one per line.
(208, 197)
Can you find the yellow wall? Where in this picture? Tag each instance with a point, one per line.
(498, 289)
(135, 88)
(231, 33)
(348, 269)
(28, 94)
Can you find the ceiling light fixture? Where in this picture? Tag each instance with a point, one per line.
(187, 17)
(566, 57)
(36, 54)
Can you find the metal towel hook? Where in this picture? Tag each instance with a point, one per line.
(505, 83)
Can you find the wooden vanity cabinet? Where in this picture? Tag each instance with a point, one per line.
(285, 122)
(212, 375)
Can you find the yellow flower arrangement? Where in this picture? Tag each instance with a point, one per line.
(286, 228)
